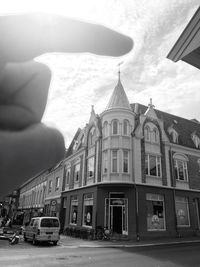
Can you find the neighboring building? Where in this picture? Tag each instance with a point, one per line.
(54, 182)
(134, 169)
(31, 196)
(187, 47)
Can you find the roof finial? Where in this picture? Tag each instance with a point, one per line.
(151, 104)
(119, 64)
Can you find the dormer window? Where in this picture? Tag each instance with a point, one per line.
(196, 140)
(115, 127)
(155, 136)
(173, 133)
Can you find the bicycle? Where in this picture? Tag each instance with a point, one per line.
(103, 234)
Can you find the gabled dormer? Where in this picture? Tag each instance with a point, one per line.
(173, 133)
(195, 139)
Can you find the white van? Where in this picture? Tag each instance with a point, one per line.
(43, 229)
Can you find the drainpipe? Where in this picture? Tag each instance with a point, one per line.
(137, 214)
(174, 194)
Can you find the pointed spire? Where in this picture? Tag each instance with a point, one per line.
(119, 98)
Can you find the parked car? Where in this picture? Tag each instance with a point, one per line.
(42, 229)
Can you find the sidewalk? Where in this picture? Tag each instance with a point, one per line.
(68, 241)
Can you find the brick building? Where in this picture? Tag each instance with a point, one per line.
(134, 169)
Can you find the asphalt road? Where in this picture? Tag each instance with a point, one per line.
(44, 255)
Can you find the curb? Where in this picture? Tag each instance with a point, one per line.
(172, 243)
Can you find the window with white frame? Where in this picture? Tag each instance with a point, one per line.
(68, 172)
(125, 161)
(88, 210)
(57, 183)
(50, 186)
(91, 167)
(105, 162)
(154, 136)
(115, 127)
(180, 165)
(114, 161)
(125, 127)
(77, 167)
(105, 129)
(74, 210)
(153, 165)
(151, 133)
(182, 211)
(155, 212)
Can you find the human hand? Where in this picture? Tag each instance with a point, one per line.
(27, 146)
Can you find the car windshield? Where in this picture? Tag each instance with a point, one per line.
(49, 223)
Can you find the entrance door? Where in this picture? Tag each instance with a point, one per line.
(117, 219)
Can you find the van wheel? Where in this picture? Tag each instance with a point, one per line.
(35, 242)
(55, 243)
(25, 238)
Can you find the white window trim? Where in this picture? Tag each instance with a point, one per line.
(185, 169)
(105, 160)
(157, 157)
(114, 158)
(128, 127)
(124, 150)
(115, 134)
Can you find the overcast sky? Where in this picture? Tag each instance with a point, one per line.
(80, 81)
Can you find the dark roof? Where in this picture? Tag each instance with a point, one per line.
(184, 127)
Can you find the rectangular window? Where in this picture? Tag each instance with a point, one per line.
(74, 210)
(155, 212)
(50, 186)
(114, 161)
(67, 176)
(125, 161)
(91, 167)
(105, 161)
(88, 210)
(77, 172)
(153, 165)
(181, 172)
(57, 183)
(182, 211)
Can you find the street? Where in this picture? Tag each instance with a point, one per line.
(25, 254)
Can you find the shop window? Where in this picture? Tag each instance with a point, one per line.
(182, 211)
(125, 161)
(180, 165)
(114, 154)
(105, 162)
(91, 167)
(105, 129)
(74, 210)
(125, 127)
(88, 210)
(115, 127)
(57, 183)
(153, 165)
(155, 212)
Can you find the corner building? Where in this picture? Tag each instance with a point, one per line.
(133, 169)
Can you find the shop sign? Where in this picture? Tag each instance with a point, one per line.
(117, 201)
(181, 214)
(53, 202)
(155, 220)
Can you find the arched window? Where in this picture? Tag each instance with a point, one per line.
(125, 127)
(147, 133)
(105, 129)
(155, 136)
(115, 127)
(92, 137)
